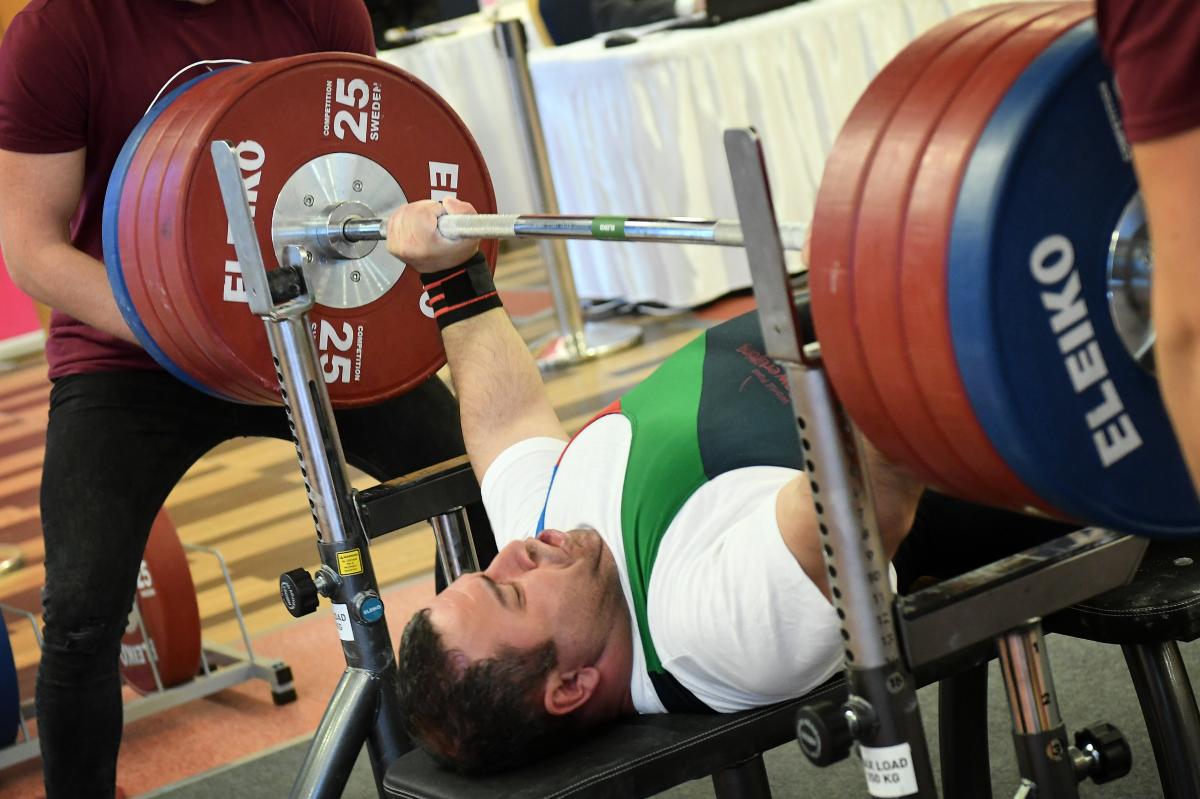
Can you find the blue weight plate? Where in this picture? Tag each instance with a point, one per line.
(1066, 406)
(112, 252)
(10, 697)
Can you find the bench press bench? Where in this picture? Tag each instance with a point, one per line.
(645, 755)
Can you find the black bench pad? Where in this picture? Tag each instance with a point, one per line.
(1161, 603)
(638, 756)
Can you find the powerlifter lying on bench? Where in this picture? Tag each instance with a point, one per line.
(689, 576)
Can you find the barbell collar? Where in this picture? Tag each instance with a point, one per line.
(718, 232)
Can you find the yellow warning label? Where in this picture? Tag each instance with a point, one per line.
(349, 562)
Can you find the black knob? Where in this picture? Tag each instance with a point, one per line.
(1108, 749)
(299, 592)
(823, 733)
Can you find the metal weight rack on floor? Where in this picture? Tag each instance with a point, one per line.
(221, 667)
(887, 638)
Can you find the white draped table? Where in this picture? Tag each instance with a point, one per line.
(638, 129)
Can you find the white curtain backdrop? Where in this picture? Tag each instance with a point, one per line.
(639, 128)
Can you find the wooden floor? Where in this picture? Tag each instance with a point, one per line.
(246, 497)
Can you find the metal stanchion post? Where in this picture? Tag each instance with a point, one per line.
(365, 705)
(1044, 755)
(456, 550)
(576, 340)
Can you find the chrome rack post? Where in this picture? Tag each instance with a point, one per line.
(576, 341)
(366, 704)
(882, 712)
(1045, 758)
(456, 548)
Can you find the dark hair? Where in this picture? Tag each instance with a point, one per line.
(482, 718)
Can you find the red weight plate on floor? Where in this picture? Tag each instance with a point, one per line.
(191, 329)
(374, 338)
(835, 220)
(923, 257)
(878, 240)
(166, 600)
(161, 308)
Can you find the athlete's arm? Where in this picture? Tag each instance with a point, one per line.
(500, 393)
(1169, 175)
(895, 492)
(38, 197)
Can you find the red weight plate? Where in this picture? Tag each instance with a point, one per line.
(878, 239)
(835, 220)
(923, 282)
(193, 136)
(166, 599)
(156, 304)
(193, 330)
(162, 309)
(143, 290)
(387, 345)
(272, 389)
(175, 265)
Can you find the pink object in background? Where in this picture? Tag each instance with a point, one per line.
(17, 316)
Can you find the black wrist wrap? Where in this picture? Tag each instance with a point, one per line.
(462, 292)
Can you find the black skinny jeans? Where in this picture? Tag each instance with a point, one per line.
(116, 444)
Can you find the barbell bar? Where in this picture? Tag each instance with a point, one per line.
(667, 230)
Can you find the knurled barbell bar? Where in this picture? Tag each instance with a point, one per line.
(978, 272)
(337, 232)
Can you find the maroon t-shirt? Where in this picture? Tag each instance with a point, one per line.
(1153, 47)
(81, 73)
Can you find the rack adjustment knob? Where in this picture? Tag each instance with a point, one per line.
(1109, 751)
(298, 592)
(823, 733)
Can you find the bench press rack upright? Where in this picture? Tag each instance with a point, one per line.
(888, 638)
(364, 706)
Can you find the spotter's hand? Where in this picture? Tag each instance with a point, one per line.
(413, 237)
